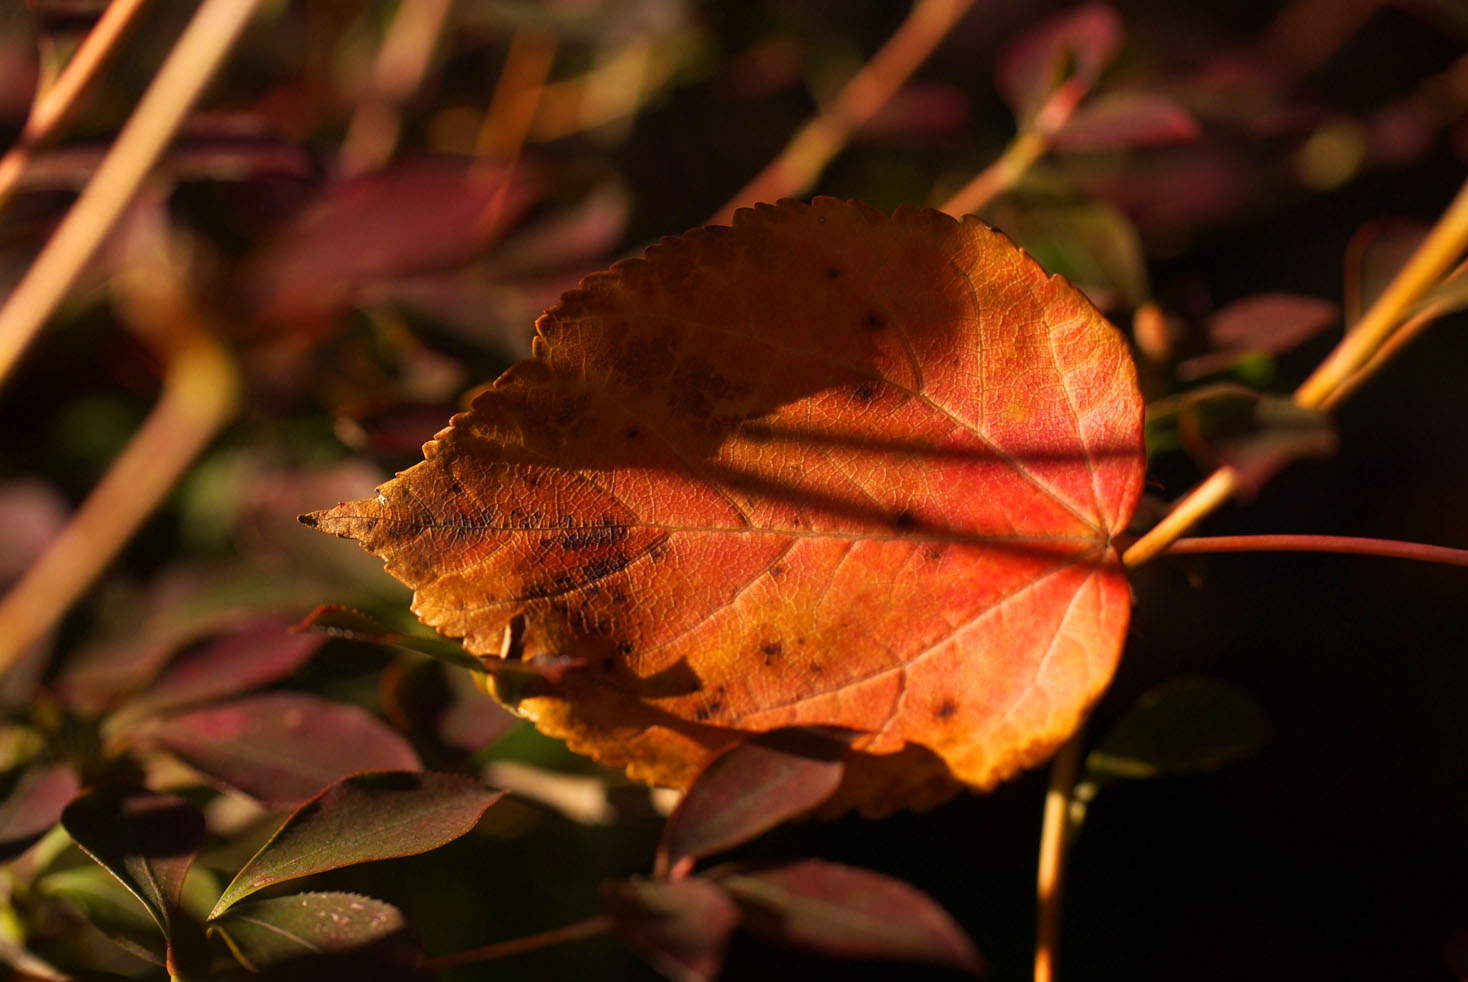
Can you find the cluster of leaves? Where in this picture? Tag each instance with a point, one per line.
(365, 239)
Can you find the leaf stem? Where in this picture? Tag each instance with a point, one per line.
(823, 135)
(502, 949)
(1346, 544)
(189, 66)
(1055, 838)
(1190, 510)
(52, 106)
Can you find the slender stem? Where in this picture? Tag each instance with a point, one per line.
(1055, 836)
(489, 952)
(1411, 328)
(1351, 545)
(401, 64)
(1028, 146)
(823, 135)
(1437, 253)
(199, 394)
(516, 95)
(1189, 511)
(189, 66)
(52, 106)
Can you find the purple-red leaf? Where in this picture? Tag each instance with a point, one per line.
(681, 928)
(1122, 120)
(750, 788)
(1074, 46)
(362, 818)
(1269, 323)
(265, 933)
(422, 214)
(34, 805)
(145, 839)
(281, 747)
(261, 651)
(847, 912)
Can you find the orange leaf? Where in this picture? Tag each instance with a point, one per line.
(825, 467)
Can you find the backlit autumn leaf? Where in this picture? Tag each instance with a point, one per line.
(825, 467)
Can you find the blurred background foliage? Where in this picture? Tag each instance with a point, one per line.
(373, 203)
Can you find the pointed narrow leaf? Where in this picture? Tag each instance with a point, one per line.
(1121, 120)
(681, 928)
(362, 818)
(145, 839)
(264, 933)
(847, 912)
(826, 467)
(259, 652)
(34, 805)
(344, 622)
(282, 747)
(750, 788)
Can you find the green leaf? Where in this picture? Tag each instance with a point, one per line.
(264, 933)
(358, 819)
(1182, 726)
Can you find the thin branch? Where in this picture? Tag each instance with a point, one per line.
(823, 135)
(193, 61)
(1028, 146)
(1437, 253)
(1359, 353)
(198, 396)
(489, 952)
(1055, 837)
(1347, 544)
(53, 105)
(1189, 511)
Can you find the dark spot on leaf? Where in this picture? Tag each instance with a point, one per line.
(455, 486)
(701, 714)
(598, 536)
(606, 565)
(935, 553)
(868, 390)
(800, 640)
(624, 648)
(777, 570)
(771, 648)
(632, 433)
(947, 709)
(904, 520)
(815, 668)
(874, 321)
(833, 273)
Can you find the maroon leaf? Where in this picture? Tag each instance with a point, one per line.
(847, 912)
(750, 788)
(1074, 46)
(260, 651)
(423, 214)
(264, 933)
(446, 704)
(1268, 323)
(281, 747)
(145, 839)
(34, 805)
(359, 819)
(681, 928)
(1121, 120)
